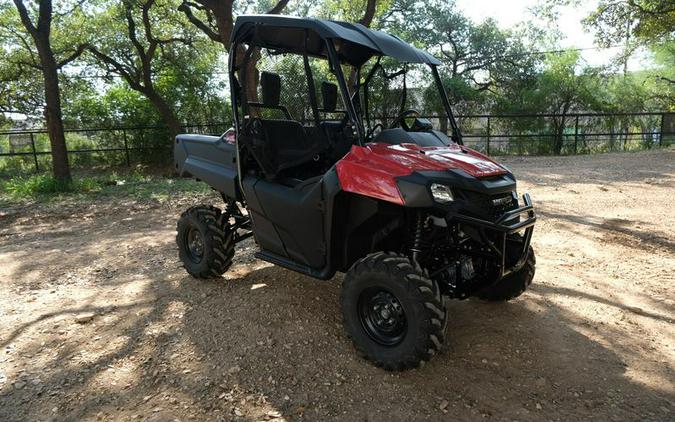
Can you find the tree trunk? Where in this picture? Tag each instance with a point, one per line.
(365, 20)
(612, 136)
(249, 75)
(57, 139)
(252, 76)
(442, 120)
(165, 111)
(40, 33)
(220, 11)
(559, 137)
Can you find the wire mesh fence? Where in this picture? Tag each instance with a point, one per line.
(578, 133)
(24, 151)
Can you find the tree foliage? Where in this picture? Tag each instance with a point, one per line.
(164, 62)
(649, 21)
(476, 57)
(39, 39)
(155, 39)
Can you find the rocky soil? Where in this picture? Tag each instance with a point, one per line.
(100, 322)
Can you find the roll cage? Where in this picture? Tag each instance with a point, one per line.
(340, 44)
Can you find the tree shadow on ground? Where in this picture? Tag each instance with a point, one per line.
(547, 290)
(284, 341)
(501, 360)
(643, 239)
(597, 169)
(216, 349)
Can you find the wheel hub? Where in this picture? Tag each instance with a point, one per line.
(195, 245)
(382, 316)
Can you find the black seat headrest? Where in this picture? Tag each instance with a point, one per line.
(329, 94)
(270, 84)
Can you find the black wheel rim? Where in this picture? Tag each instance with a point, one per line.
(194, 245)
(382, 316)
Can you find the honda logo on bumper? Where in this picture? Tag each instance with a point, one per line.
(500, 202)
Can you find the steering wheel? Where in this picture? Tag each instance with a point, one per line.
(371, 132)
(400, 120)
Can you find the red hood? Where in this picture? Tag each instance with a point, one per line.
(405, 158)
(372, 170)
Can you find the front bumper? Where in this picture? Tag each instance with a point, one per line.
(507, 224)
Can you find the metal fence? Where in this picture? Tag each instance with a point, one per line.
(571, 134)
(93, 146)
(515, 134)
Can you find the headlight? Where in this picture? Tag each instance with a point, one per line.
(441, 193)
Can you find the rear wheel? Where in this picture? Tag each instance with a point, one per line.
(513, 285)
(205, 241)
(392, 311)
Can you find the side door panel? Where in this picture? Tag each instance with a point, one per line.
(288, 221)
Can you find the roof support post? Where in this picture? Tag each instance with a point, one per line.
(351, 111)
(234, 99)
(310, 84)
(456, 134)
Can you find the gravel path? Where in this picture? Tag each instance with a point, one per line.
(99, 322)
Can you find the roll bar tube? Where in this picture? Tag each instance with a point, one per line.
(234, 87)
(337, 70)
(456, 133)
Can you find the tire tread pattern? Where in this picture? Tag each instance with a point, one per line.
(421, 289)
(512, 285)
(219, 238)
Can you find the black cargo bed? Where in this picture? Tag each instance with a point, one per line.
(208, 158)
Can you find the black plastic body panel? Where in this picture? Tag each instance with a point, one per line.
(332, 217)
(287, 221)
(210, 159)
(415, 187)
(427, 138)
(461, 180)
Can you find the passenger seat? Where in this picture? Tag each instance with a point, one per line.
(280, 144)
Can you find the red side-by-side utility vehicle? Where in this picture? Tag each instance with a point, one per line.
(411, 215)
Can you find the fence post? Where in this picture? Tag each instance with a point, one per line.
(32, 143)
(576, 134)
(663, 118)
(488, 135)
(126, 147)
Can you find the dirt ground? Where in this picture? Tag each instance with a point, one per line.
(100, 322)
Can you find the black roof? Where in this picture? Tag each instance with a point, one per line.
(354, 42)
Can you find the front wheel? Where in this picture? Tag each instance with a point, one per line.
(513, 285)
(392, 311)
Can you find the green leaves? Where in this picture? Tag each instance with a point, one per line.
(649, 20)
(486, 68)
(478, 58)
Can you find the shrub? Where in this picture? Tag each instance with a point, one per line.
(25, 187)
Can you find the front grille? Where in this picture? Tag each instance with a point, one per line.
(502, 203)
(489, 207)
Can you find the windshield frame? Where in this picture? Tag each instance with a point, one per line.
(361, 88)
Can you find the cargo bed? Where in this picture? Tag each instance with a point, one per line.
(211, 159)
